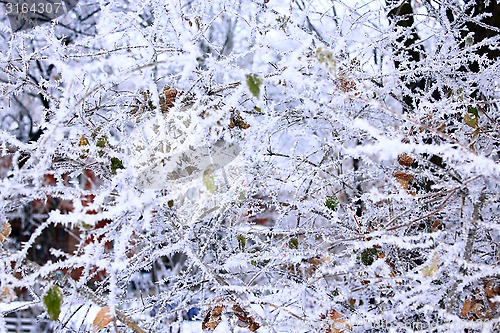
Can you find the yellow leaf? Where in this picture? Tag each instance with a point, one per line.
(208, 180)
(102, 319)
(431, 269)
(83, 141)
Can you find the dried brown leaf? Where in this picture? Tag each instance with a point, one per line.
(466, 308)
(404, 179)
(236, 120)
(167, 99)
(212, 318)
(245, 318)
(405, 160)
(336, 322)
(480, 311)
(491, 289)
(7, 294)
(5, 231)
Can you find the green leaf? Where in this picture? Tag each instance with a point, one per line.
(282, 22)
(469, 40)
(208, 180)
(473, 110)
(86, 226)
(96, 132)
(116, 164)
(102, 142)
(368, 256)
(242, 242)
(254, 82)
(261, 263)
(242, 195)
(52, 301)
(332, 202)
(471, 119)
(293, 243)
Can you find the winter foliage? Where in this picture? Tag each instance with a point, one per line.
(251, 165)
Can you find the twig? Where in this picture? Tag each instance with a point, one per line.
(441, 206)
(280, 308)
(84, 291)
(473, 230)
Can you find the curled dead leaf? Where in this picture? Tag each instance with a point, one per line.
(318, 261)
(481, 311)
(212, 318)
(245, 318)
(336, 323)
(437, 225)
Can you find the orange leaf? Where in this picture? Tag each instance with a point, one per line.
(102, 319)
